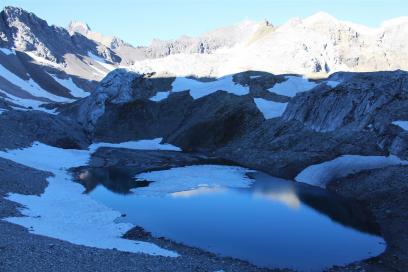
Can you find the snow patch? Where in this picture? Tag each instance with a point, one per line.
(63, 211)
(43, 61)
(8, 51)
(30, 86)
(71, 86)
(153, 144)
(101, 61)
(26, 104)
(189, 178)
(159, 96)
(270, 109)
(401, 124)
(332, 83)
(199, 89)
(321, 174)
(292, 85)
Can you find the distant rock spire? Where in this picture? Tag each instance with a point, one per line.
(267, 23)
(78, 27)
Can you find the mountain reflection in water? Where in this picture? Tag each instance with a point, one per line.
(270, 223)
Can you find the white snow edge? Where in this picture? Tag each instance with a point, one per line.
(63, 211)
(270, 109)
(401, 124)
(321, 174)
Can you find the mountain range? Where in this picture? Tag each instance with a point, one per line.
(56, 64)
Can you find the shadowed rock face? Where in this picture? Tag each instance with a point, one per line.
(191, 124)
(359, 101)
(21, 128)
(119, 88)
(355, 117)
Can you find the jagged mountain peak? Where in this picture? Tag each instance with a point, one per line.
(85, 30)
(13, 15)
(79, 27)
(11, 10)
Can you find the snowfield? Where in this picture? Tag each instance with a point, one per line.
(160, 96)
(292, 85)
(30, 86)
(270, 109)
(26, 104)
(199, 89)
(401, 124)
(70, 85)
(332, 83)
(63, 211)
(323, 173)
(101, 61)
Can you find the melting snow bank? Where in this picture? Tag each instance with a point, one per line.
(401, 124)
(321, 174)
(101, 61)
(71, 86)
(26, 104)
(63, 212)
(188, 178)
(270, 109)
(30, 86)
(292, 85)
(200, 89)
(160, 96)
(154, 144)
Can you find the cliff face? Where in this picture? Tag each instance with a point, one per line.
(356, 103)
(349, 113)
(24, 31)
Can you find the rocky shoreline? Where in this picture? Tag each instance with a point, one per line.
(20, 248)
(22, 251)
(384, 192)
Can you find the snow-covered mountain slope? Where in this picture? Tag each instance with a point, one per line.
(319, 44)
(47, 64)
(41, 63)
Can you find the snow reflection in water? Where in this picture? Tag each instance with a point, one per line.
(268, 221)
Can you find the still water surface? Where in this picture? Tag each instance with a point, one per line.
(272, 223)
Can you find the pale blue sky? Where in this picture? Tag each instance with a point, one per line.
(139, 21)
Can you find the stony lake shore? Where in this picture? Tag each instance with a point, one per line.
(23, 251)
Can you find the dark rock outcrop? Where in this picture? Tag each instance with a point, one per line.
(21, 128)
(362, 99)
